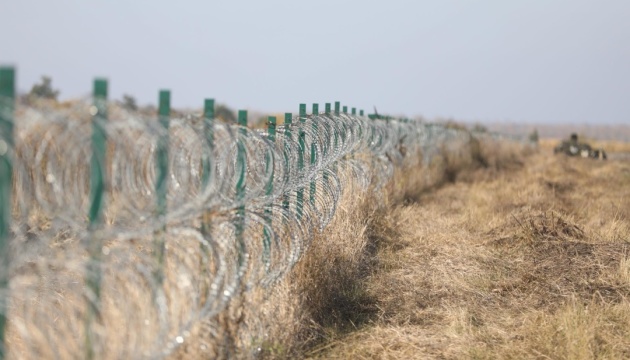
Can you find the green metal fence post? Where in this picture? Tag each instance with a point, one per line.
(327, 111)
(343, 134)
(302, 148)
(7, 108)
(206, 156)
(269, 167)
(288, 120)
(326, 149)
(336, 132)
(161, 183)
(241, 165)
(314, 153)
(99, 138)
(271, 132)
(241, 170)
(97, 192)
(208, 135)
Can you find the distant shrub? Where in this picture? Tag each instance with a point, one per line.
(44, 90)
(479, 128)
(129, 102)
(224, 113)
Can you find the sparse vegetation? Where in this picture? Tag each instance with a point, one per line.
(44, 90)
(129, 103)
(225, 113)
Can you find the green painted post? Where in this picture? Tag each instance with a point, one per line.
(269, 167)
(208, 133)
(241, 170)
(97, 192)
(314, 153)
(343, 133)
(336, 134)
(7, 108)
(328, 140)
(271, 131)
(241, 166)
(97, 183)
(161, 183)
(354, 113)
(206, 157)
(361, 113)
(328, 111)
(288, 120)
(301, 149)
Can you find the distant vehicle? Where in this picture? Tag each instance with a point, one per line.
(573, 147)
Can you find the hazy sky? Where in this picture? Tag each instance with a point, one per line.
(488, 60)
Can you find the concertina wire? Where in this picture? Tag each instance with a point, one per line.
(241, 211)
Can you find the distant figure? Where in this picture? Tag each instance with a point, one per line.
(573, 147)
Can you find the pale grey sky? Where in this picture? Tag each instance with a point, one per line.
(489, 60)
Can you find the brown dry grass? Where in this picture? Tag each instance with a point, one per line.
(527, 263)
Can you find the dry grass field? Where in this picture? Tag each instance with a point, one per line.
(520, 258)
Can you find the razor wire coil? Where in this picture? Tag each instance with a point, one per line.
(241, 209)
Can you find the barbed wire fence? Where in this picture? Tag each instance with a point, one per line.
(120, 228)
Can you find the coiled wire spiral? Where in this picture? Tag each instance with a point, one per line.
(242, 208)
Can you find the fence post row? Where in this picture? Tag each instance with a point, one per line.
(269, 169)
(7, 107)
(98, 174)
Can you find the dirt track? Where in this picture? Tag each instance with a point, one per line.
(528, 263)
